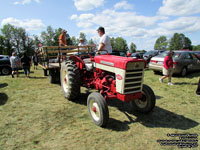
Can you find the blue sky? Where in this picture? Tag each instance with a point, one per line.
(138, 21)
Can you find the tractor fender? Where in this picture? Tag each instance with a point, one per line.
(79, 62)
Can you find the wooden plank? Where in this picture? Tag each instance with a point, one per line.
(54, 64)
(64, 47)
(68, 51)
(42, 66)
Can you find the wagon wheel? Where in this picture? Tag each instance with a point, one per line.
(98, 109)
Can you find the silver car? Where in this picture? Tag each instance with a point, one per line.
(184, 62)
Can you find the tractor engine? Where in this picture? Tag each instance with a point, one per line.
(120, 77)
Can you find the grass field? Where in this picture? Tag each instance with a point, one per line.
(35, 115)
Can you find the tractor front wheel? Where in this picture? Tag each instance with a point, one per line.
(98, 109)
(147, 102)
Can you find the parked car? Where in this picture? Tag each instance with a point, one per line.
(137, 55)
(152, 53)
(197, 53)
(119, 53)
(5, 68)
(184, 62)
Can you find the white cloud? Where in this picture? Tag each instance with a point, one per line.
(74, 17)
(179, 7)
(29, 24)
(24, 2)
(85, 5)
(140, 29)
(123, 5)
(183, 24)
(116, 23)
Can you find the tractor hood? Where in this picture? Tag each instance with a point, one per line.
(116, 61)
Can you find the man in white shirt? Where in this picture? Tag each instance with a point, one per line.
(15, 63)
(105, 43)
(82, 43)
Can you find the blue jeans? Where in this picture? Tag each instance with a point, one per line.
(26, 71)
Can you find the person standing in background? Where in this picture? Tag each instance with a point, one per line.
(26, 64)
(168, 68)
(35, 60)
(15, 63)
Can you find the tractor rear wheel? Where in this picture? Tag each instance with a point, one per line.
(147, 102)
(70, 80)
(98, 109)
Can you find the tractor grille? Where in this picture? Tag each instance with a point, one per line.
(134, 78)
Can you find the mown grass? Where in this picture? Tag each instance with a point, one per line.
(35, 115)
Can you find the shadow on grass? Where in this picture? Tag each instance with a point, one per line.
(185, 83)
(82, 98)
(38, 77)
(189, 74)
(158, 97)
(22, 72)
(3, 85)
(158, 118)
(3, 98)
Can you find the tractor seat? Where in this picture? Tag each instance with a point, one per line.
(88, 64)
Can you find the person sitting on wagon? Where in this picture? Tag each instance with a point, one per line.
(105, 44)
(82, 43)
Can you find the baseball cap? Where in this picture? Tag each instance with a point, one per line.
(101, 29)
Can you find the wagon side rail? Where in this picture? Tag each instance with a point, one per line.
(57, 54)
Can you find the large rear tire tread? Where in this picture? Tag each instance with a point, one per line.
(73, 80)
(104, 112)
(151, 100)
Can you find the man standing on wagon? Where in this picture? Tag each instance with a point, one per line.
(63, 39)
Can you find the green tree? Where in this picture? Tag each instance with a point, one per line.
(50, 37)
(112, 41)
(83, 36)
(161, 43)
(119, 44)
(175, 42)
(36, 41)
(91, 42)
(16, 39)
(2, 45)
(74, 40)
(179, 41)
(196, 48)
(133, 48)
(187, 44)
(8, 39)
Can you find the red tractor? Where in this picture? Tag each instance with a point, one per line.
(114, 77)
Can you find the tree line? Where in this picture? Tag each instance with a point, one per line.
(177, 42)
(17, 39)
